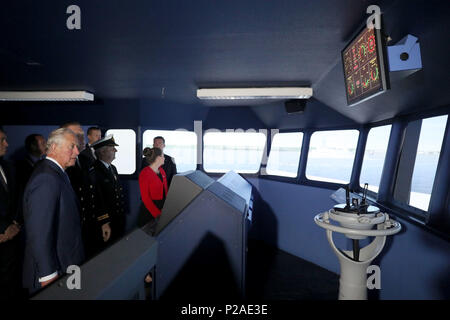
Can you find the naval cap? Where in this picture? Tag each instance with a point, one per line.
(106, 141)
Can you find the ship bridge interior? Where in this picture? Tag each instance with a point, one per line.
(144, 62)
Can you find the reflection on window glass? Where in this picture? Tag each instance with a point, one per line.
(238, 151)
(125, 160)
(331, 155)
(180, 145)
(285, 154)
(372, 166)
(428, 151)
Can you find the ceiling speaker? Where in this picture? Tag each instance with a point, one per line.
(295, 105)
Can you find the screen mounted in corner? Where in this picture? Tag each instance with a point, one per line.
(364, 66)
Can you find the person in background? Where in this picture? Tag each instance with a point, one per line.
(35, 145)
(10, 253)
(82, 178)
(93, 134)
(169, 166)
(51, 215)
(75, 126)
(153, 188)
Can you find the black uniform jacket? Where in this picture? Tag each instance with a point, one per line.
(111, 199)
(170, 168)
(8, 197)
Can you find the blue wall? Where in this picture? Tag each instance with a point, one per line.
(415, 264)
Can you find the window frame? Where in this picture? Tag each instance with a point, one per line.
(371, 193)
(219, 174)
(300, 156)
(387, 203)
(328, 184)
(145, 129)
(135, 173)
(416, 212)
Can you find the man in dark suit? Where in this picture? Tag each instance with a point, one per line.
(93, 134)
(169, 165)
(112, 205)
(51, 215)
(35, 146)
(9, 228)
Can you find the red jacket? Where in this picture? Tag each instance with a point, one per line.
(152, 188)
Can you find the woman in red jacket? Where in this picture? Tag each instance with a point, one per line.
(153, 187)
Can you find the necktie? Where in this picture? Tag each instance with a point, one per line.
(3, 180)
(112, 172)
(93, 153)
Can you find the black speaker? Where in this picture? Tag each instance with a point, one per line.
(295, 105)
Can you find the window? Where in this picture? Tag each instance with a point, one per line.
(125, 160)
(238, 151)
(285, 154)
(331, 155)
(180, 145)
(427, 157)
(373, 161)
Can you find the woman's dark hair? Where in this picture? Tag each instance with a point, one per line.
(151, 154)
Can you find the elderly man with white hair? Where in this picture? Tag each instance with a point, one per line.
(51, 214)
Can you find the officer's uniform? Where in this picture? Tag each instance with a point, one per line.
(112, 201)
(83, 180)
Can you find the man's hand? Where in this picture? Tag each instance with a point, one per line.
(12, 231)
(3, 238)
(106, 231)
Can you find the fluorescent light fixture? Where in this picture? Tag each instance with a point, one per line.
(46, 96)
(255, 93)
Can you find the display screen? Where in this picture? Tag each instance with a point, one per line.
(364, 68)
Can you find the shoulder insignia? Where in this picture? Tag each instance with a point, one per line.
(103, 217)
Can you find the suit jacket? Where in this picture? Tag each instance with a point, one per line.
(170, 168)
(52, 224)
(152, 189)
(86, 157)
(8, 197)
(25, 167)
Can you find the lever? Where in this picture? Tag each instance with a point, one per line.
(355, 250)
(347, 197)
(366, 186)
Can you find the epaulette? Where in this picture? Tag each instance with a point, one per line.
(103, 217)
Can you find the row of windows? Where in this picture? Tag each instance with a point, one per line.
(331, 154)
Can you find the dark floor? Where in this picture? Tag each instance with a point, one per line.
(273, 274)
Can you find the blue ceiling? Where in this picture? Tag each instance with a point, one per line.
(164, 50)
